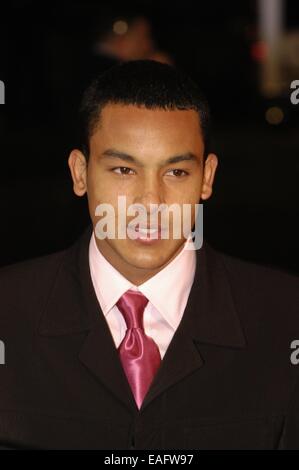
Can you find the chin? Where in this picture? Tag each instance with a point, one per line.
(148, 260)
(147, 264)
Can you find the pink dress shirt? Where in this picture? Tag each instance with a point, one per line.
(167, 292)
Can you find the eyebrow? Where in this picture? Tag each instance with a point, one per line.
(188, 156)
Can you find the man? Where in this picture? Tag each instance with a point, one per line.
(139, 342)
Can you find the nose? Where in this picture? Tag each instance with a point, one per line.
(150, 191)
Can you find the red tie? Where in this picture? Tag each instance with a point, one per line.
(139, 354)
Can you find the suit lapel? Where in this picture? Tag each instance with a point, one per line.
(73, 308)
(99, 355)
(209, 317)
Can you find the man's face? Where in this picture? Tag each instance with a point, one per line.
(132, 154)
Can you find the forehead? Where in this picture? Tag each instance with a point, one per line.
(129, 125)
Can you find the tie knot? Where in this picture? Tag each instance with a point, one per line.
(132, 304)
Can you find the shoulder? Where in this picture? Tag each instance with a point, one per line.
(30, 272)
(265, 296)
(253, 273)
(259, 278)
(25, 287)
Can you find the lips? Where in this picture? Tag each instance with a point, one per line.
(147, 229)
(146, 233)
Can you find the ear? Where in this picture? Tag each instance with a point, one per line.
(78, 167)
(209, 174)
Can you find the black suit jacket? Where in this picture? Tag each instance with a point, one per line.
(225, 382)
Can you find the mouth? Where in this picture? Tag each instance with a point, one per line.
(147, 229)
(146, 234)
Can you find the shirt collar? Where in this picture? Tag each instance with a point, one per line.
(173, 283)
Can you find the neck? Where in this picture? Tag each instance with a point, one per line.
(134, 274)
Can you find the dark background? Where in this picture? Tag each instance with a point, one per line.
(46, 61)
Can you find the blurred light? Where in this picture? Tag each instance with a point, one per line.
(120, 27)
(259, 51)
(274, 115)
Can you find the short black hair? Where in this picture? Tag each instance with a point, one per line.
(144, 83)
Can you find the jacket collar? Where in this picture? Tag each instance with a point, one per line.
(210, 317)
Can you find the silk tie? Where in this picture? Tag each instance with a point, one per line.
(139, 354)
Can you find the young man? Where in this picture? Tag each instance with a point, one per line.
(139, 342)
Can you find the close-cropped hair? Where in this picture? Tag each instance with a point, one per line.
(143, 83)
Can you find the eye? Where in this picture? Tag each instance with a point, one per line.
(178, 173)
(122, 170)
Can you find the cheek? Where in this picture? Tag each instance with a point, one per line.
(188, 193)
(98, 192)
(99, 187)
(194, 190)
(101, 191)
